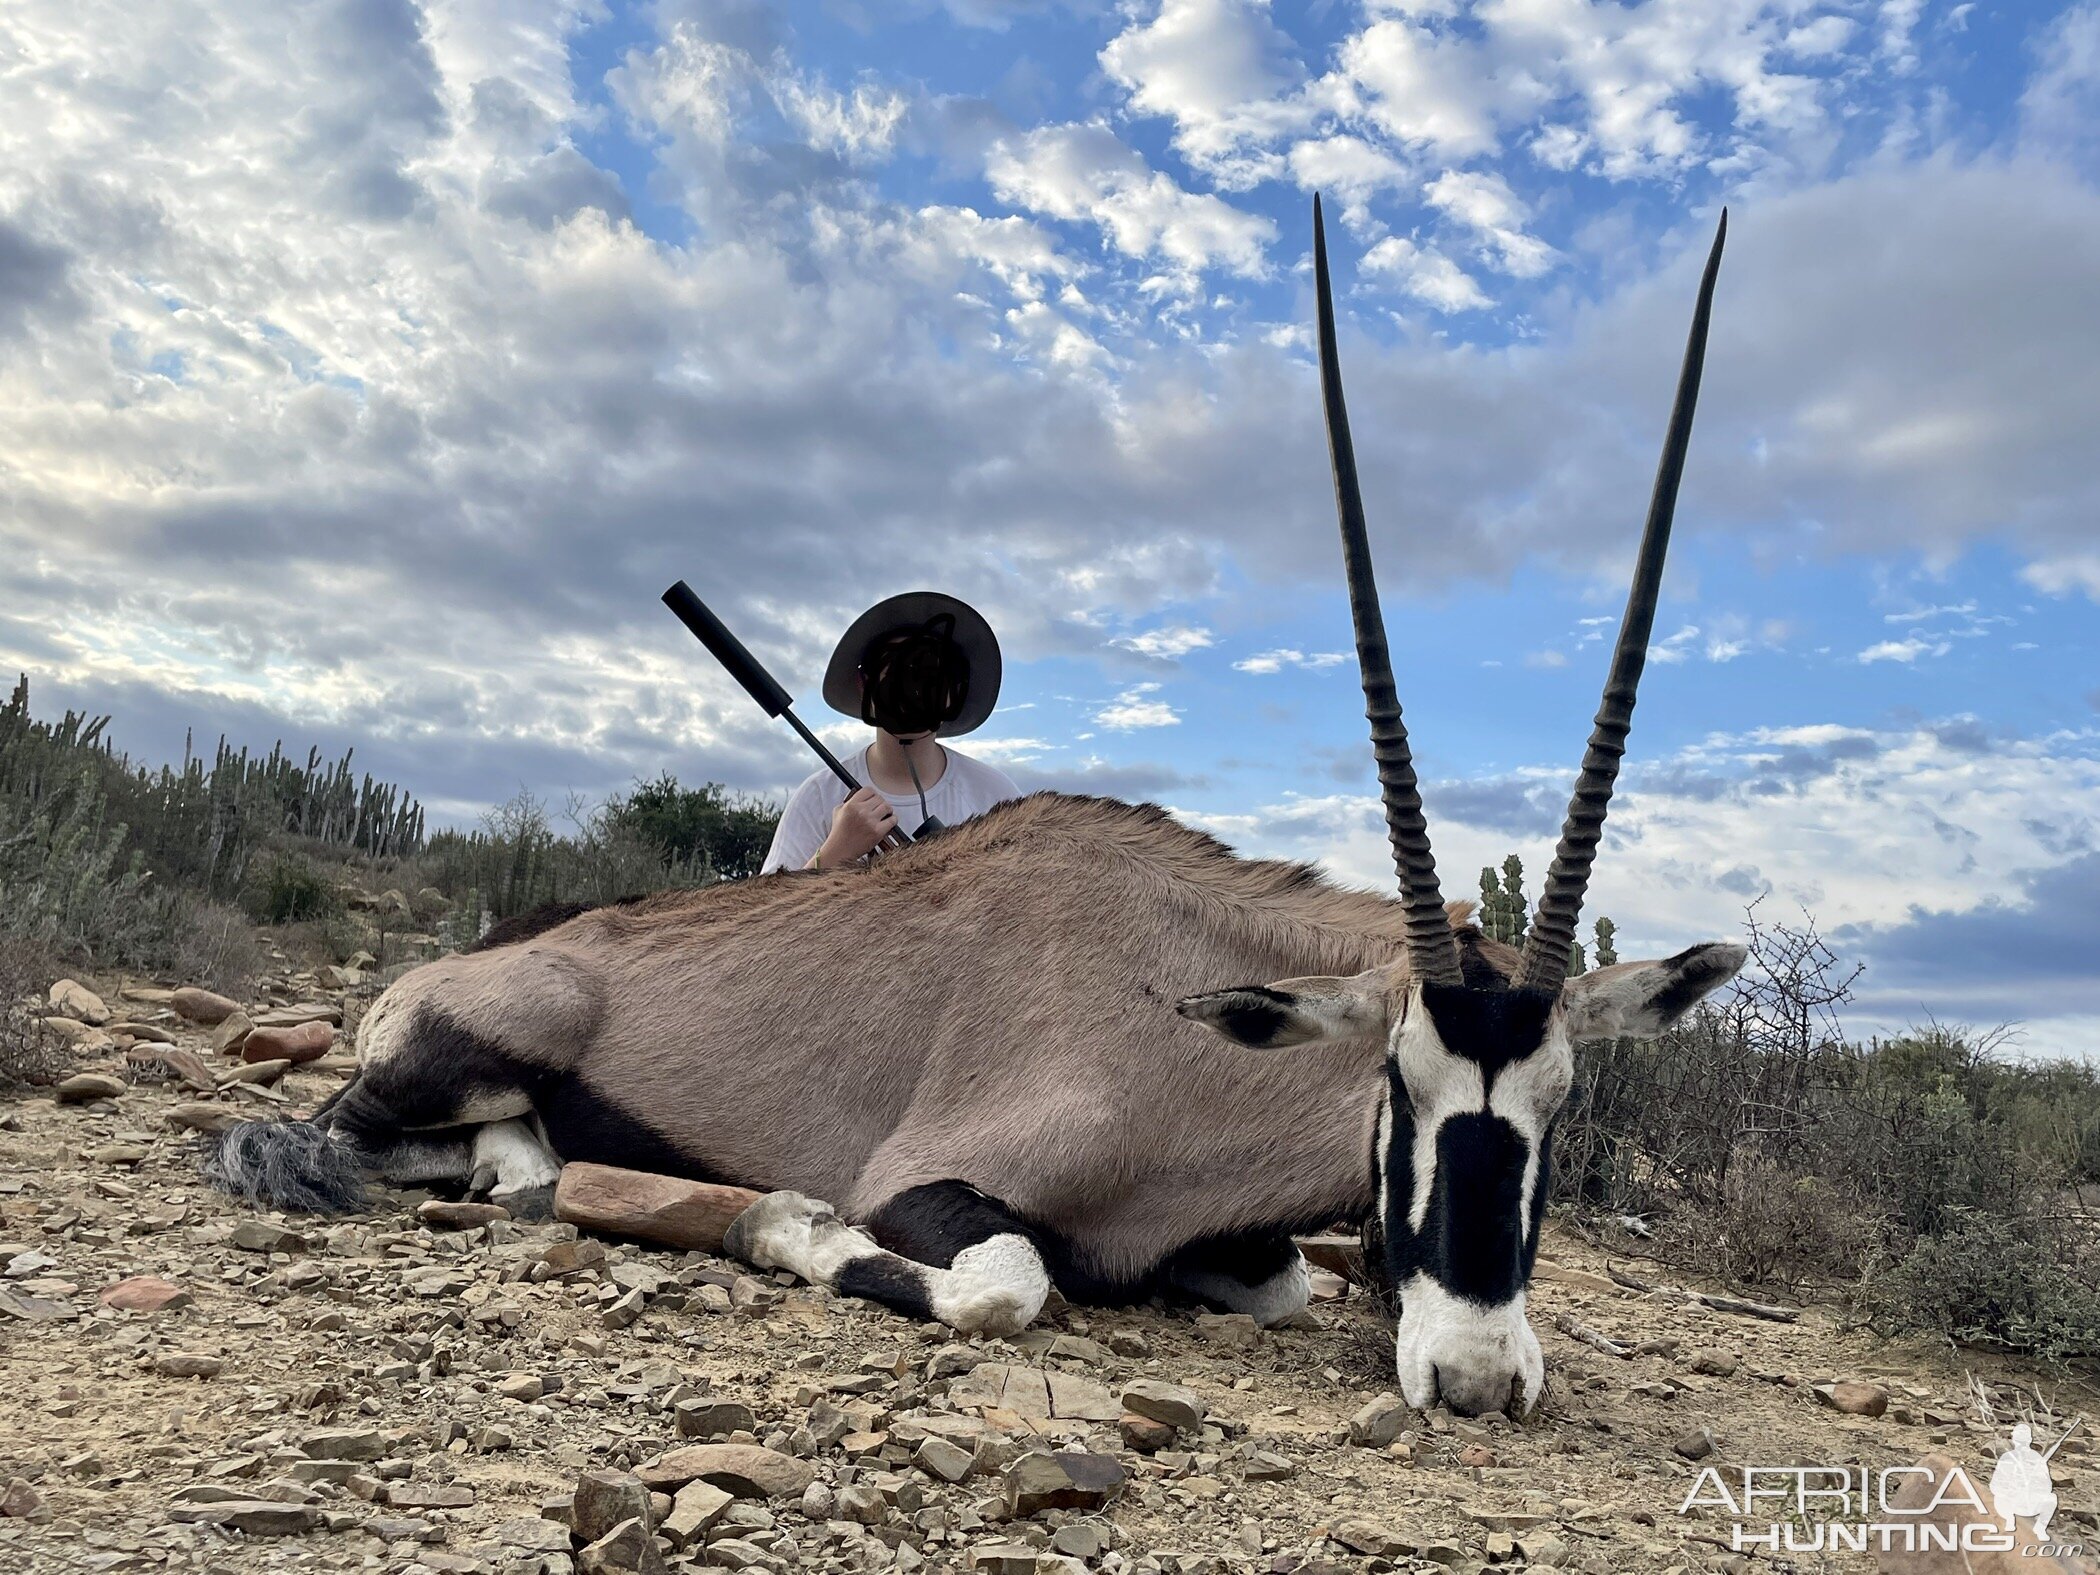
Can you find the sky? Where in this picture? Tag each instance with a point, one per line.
(367, 370)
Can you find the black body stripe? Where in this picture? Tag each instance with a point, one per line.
(931, 1224)
(583, 1123)
(897, 1285)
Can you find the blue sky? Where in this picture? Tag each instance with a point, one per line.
(370, 371)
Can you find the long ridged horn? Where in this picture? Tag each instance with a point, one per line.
(1430, 944)
(1549, 946)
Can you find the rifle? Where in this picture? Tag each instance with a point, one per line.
(759, 684)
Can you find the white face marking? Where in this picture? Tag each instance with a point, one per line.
(1464, 1354)
(1450, 1347)
(1529, 1093)
(1439, 1085)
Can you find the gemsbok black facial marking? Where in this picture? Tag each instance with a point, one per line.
(1478, 1057)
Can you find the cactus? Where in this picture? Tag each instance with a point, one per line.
(1607, 933)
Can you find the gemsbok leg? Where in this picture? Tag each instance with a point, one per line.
(1263, 1276)
(944, 1253)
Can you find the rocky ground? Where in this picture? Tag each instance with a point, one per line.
(190, 1385)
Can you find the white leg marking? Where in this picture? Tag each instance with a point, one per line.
(995, 1287)
(516, 1159)
(1269, 1302)
(1465, 1354)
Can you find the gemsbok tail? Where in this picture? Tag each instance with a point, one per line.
(300, 1167)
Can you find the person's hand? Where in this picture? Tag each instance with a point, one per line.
(856, 826)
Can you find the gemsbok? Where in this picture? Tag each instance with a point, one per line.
(1003, 1057)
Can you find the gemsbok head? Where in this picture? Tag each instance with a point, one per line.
(1478, 1062)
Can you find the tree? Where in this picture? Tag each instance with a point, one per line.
(728, 833)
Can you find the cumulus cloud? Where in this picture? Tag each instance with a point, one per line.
(1166, 643)
(1220, 69)
(1426, 274)
(1084, 172)
(1137, 707)
(1484, 204)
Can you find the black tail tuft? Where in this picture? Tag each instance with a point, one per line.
(290, 1165)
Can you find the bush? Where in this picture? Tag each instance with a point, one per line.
(2019, 1283)
(289, 890)
(696, 827)
(29, 1052)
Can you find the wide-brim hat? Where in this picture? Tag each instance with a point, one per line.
(908, 611)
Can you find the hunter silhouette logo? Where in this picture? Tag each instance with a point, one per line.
(2021, 1487)
(1924, 1507)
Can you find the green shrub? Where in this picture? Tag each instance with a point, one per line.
(2018, 1282)
(287, 889)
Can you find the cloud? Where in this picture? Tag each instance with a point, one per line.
(1825, 817)
(1484, 204)
(1219, 69)
(1168, 643)
(1135, 708)
(1276, 661)
(1906, 651)
(1083, 172)
(1426, 274)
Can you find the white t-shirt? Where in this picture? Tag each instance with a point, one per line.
(968, 787)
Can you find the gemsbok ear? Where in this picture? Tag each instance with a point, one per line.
(1293, 1011)
(1638, 1000)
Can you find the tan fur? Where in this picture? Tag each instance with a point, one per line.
(994, 1006)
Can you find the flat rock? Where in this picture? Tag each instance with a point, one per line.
(262, 1236)
(201, 1115)
(1231, 1331)
(145, 1293)
(441, 1214)
(714, 1418)
(1172, 1404)
(259, 1517)
(1034, 1394)
(531, 1534)
(950, 1462)
(1062, 1480)
(205, 1008)
(85, 1087)
(1380, 1421)
(186, 1364)
(228, 1037)
(344, 1444)
(744, 1470)
(429, 1495)
(694, 1511)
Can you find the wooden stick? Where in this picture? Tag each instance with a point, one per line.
(1575, 1329)
(663, 1209)
(1726, 1304)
